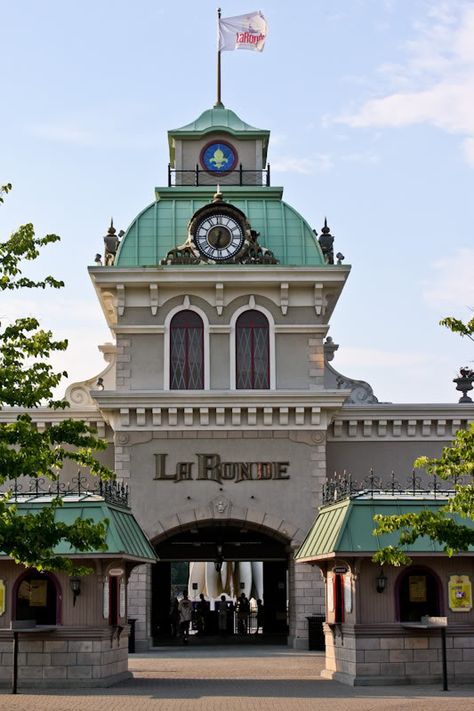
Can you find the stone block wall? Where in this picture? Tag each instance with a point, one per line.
(139, 606)
(360, 656)
(66, 658)
(306, 595)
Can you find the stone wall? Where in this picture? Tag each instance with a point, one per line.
(306, 596)
(139, 605)
(373, 655)
(66, 658)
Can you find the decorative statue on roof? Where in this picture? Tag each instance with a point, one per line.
(326, 242)
(111, 243)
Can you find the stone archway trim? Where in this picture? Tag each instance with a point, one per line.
(220, 509)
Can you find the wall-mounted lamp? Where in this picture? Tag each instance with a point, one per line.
(75, 583)
(381, 581)
(100, 384)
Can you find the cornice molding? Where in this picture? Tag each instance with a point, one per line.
(399, 422)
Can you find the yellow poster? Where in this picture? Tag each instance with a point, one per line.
(2, 597)
(460, 593)
(417, 588)
(38, 593)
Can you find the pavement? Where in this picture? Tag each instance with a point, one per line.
(237, 679)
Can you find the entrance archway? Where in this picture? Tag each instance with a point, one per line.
(229, 547)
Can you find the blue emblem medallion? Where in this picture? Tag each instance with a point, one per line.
(218, 157)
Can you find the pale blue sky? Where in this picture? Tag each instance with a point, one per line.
(371, 108)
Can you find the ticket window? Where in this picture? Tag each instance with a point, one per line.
(418, 595)
(36, 598)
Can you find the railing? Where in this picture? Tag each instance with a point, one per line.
(113, 492)
(198, 176)
(342, 486)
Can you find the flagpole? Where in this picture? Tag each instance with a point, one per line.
(218, 102)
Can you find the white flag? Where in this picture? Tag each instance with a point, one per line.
(243, 32)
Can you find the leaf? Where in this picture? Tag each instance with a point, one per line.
(28, 381)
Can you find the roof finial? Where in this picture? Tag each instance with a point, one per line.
(218, 194)
(111, 230)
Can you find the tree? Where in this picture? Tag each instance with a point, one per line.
(27, 381)
(456, 465)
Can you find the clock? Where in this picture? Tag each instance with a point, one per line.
(219, 237)
(218, 157)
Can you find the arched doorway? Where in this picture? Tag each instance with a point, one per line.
(238, 557)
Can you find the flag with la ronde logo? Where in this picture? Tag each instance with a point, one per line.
(243, 32)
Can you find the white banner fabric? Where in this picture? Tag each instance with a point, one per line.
(243, 32)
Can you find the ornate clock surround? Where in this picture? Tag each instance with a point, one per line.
(244, 249)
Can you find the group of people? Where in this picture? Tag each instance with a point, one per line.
(181, 615)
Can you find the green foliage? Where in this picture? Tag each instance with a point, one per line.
(27, 381)
(457, 326)
(455, 465)
(31, 538)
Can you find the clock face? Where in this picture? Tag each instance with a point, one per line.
(219, 237)
(218, 157)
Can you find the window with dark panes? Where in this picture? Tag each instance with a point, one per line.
(418, 594)
(36, 598)
(186, 352)
(252, 351)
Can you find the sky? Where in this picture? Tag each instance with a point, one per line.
(370, 104)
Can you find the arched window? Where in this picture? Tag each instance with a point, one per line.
(252, 351)
(419, 594)
(35, 597)
(186, 351)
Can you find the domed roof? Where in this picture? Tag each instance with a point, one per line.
(162, 226)
(215, 118)
(218, 119)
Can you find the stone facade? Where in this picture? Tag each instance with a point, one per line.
(66, 658)
(376, 655)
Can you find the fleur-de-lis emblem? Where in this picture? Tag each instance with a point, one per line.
(218, 159)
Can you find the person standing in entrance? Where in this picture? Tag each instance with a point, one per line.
(202, 610)
(185, 614)
(243, 610)
(174, 617)
(222, 615)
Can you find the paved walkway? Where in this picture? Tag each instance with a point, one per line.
(237, 679)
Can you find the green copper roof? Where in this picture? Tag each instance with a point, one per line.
(347, 527)
(125, 538)
(163, 225)
(218, 119)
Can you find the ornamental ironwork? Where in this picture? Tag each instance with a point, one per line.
(113, 492)
(342, 486)
(199, 176)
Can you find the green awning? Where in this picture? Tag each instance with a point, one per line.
(124, 539)
(346, 527)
